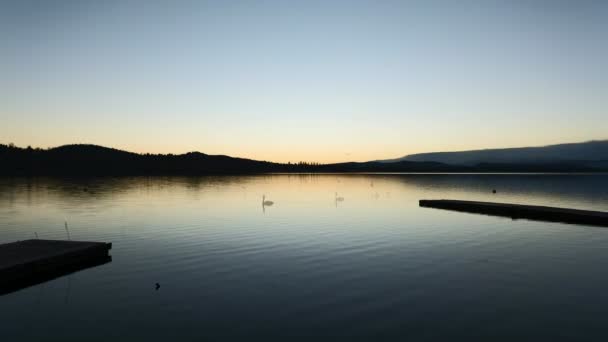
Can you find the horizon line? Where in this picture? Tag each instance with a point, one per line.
(300, 161)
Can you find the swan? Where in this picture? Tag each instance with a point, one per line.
(339, 199)
(265, 202)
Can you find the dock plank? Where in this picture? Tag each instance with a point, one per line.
(522, 211)
(29, 262)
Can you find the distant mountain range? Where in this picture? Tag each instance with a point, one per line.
(591, 153)
(93, 160)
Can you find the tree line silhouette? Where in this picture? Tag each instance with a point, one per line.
(93, 160)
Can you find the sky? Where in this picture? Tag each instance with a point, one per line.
(318, 81)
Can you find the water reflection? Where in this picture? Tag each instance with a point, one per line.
(587, 188)
(372, 265)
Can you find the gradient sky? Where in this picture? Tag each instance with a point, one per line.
(303, 80)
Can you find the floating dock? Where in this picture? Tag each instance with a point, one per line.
(30, 262)
(519, 211)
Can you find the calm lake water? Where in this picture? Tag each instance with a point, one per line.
(373, 265)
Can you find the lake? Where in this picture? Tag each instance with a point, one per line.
(335, 256)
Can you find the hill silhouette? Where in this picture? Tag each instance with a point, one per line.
(93, 160)
(591, 153)
(99, 160)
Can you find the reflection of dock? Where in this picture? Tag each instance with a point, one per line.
(517, 211)
(29, 262)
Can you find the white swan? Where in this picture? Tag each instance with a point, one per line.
(265, 202)
(339, 199)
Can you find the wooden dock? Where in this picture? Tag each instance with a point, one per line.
(29, 262)
(519, 211)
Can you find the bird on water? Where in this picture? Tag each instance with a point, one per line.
(265, 202)
(338, 199)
